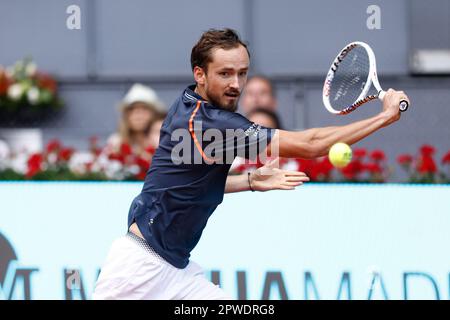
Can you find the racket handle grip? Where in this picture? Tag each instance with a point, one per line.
(403, 105)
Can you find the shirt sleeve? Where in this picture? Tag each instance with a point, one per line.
(238, 137)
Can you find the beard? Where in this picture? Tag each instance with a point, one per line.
(222, 101)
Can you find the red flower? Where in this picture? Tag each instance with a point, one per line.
(377, 155)
(327, 165)
(5, 82)
(426, 165)
(373, 168)
(116, 156)
(305, 165)
(143, 166)
(348, 172)
(88, 166)
(53, 145)
(404, 159)
(93, 141)
(65, 154)
(446, 158)
(322, 169)
(141, 175)
(125, 149)
(315, 173)
(34, 164)
(359, 153)
(142, 163)
(45, 81)
(352, 170)
(315, 169)
(150, 149)
(427, 150)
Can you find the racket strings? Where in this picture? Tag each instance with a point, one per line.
(350, 78)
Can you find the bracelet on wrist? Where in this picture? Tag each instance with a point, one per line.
(249, 182)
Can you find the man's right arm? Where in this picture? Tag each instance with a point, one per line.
(316, 142)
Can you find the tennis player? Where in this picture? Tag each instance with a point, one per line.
(189, 174)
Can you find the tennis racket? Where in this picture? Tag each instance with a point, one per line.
(350, 78)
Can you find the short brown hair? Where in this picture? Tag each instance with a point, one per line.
(211, 39)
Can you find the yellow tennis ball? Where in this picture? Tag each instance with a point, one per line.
(340, 154)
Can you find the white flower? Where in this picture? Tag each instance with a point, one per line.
(4, 150)
(15, 91)
(100, 163)
(96, 167)
(291, 165)
(44, 166)
(4, 155)
(30, 69)
(33, 95)
(133, 169)
(113, 170)
(102, 160)
(52, 158)
(19, 163)
(79, 160)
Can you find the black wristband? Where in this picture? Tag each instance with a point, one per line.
(249, 183)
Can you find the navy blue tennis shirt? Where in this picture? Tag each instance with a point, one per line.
(186, 180)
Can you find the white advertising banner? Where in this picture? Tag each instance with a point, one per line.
(321, 241)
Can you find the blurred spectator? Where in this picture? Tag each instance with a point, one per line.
(264, 117)
(140, 108)
(155, 130)
(258, 93)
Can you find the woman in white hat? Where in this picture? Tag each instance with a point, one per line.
(140, 108)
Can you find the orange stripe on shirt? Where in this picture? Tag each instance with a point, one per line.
(191, 130)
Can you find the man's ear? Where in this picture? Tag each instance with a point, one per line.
(199, 75)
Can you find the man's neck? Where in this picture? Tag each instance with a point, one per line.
(200, 92)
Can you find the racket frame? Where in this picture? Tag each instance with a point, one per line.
(372, 78)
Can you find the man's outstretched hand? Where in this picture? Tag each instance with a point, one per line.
(391, 105)
(271, 177)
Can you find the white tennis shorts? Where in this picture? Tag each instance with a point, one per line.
(134, 271)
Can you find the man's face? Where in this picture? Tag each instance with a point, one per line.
(258, 94)
(225, 77)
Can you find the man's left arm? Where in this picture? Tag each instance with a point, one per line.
(268, 177)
